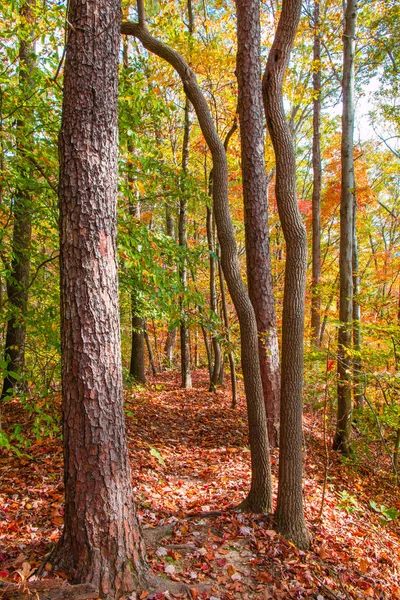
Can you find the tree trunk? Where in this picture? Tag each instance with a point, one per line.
(149, 350)
(289, 512)
(101, 542)
(18, 277)
(259, 275)
(259, 498)
(137, 365)
(184, 334)
(214, 378)
(231, 356)
(344, 364)
(317, 182)
(359, 400)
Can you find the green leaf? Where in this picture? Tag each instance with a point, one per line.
(154, 452)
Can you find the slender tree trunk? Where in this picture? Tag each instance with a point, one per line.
(259, 498)
(359, 400)
(213, 300)
(149, 350)
(171, 335)
(231, 356)
(137, 365)
(101, 542)
(184, 334)
(289, 512)
(344, 367)
(317, 183)
(18, 278)
(259, 275)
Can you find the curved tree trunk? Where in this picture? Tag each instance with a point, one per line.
(231, 356)
(101, 541)
(289, 512)
(18, 278)
(259, 275)
(344, 363)
(259, 498)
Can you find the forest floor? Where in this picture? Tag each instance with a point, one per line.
(190, 462)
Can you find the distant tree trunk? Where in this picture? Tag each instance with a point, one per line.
(259, 275)
(214, 378)
(137, 365)
(344, 364)
(149, 350)
(359, 400)
(18, 277)
(289, 512)
(184, 333)
(171, 335)
(231, 356)
(317, 183)
(259, 497)
(101, 542)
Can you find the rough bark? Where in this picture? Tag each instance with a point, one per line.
(317, 183)
(259, 498)
(101, 542)
(18, 278)
(259, 275)
(344, 363)
(289, 512)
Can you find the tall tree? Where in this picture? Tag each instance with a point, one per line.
(101, 541)
(289, 512)
(344, 362)
(182, 224)
(259, 275)
(19, 273)
(317, 181)
(259, 497)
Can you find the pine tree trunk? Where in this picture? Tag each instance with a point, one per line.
(289, 512)
(259, 275)
(18, 278)
(344, 364)
(317, 182)
(101, 541)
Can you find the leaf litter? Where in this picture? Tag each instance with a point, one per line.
(190, 465)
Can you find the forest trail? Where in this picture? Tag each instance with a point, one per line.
(189, 455)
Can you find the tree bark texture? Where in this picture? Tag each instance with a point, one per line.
(259, 498)
(149, 350)
(317, 183)
(259, 275)
(344, 364)
(289, 512)
(18, 278)
(101, 542)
